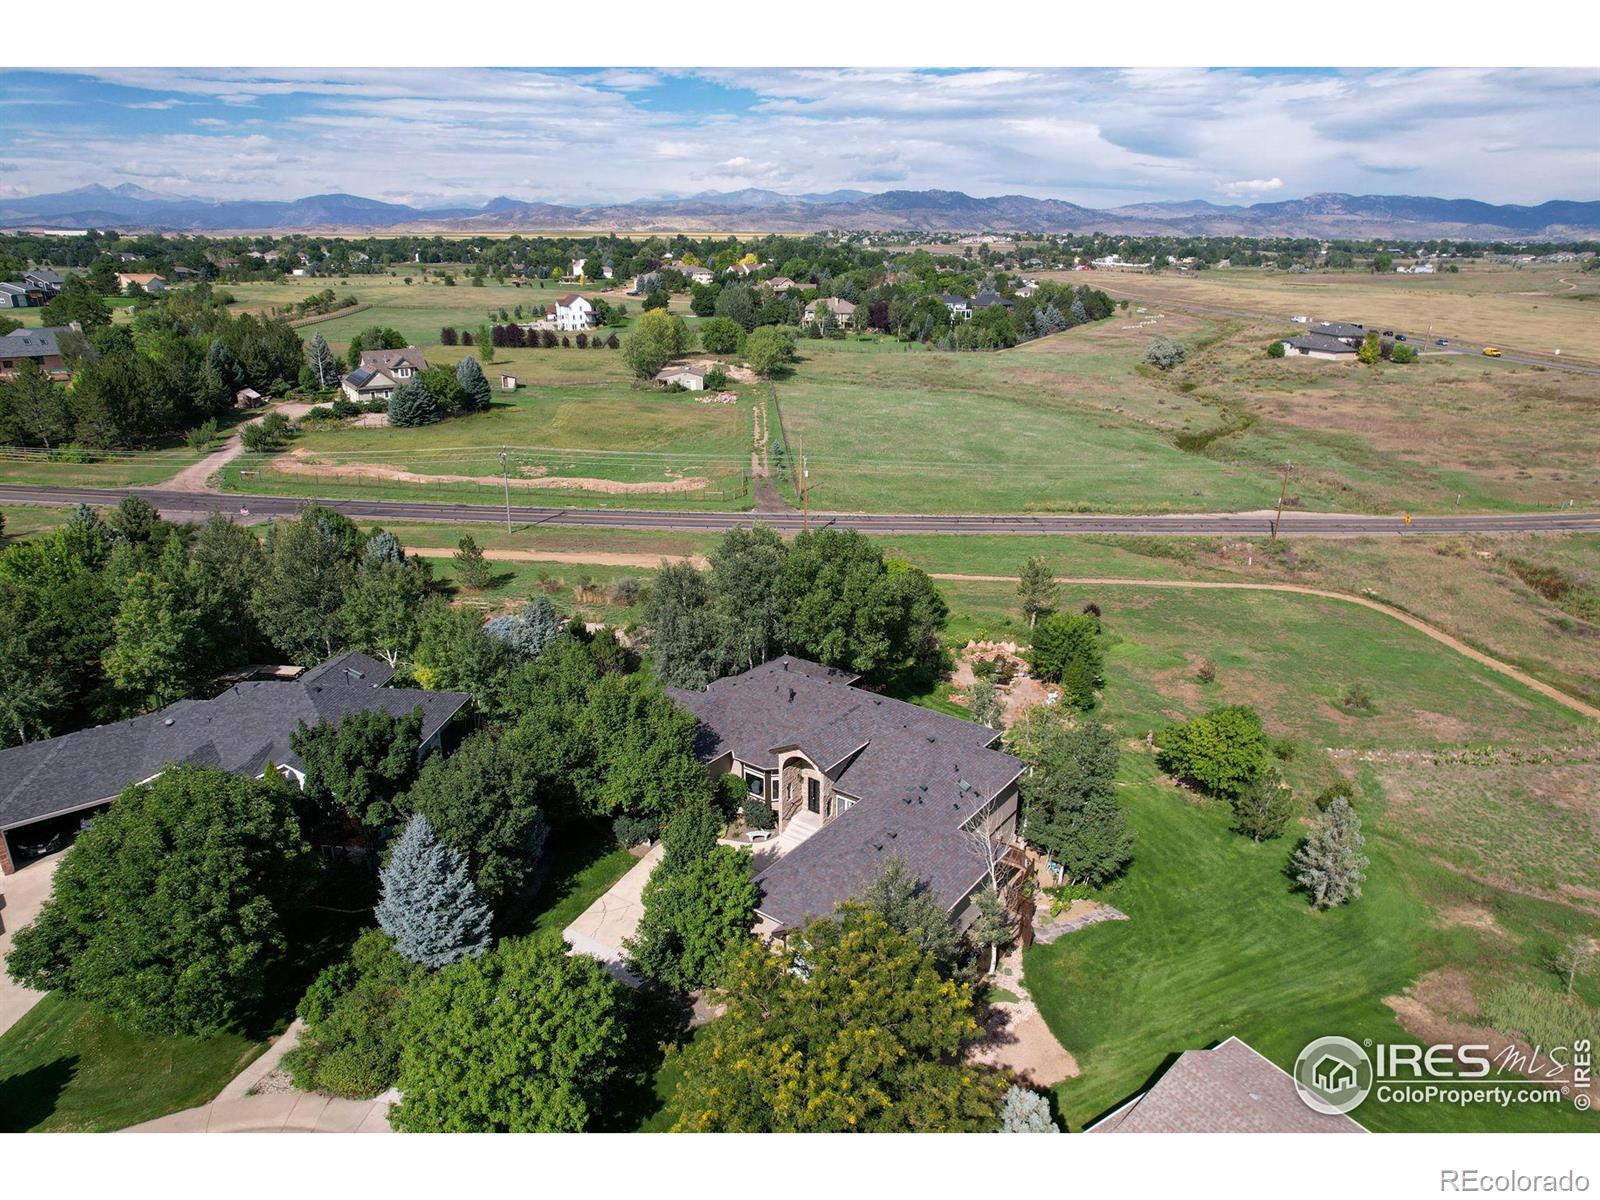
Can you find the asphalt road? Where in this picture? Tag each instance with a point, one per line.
(1422, 341)
(1246, 524)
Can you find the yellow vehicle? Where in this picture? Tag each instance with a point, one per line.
(1490, 352)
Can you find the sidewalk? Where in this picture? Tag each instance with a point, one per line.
(23, 894)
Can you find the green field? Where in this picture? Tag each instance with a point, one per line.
(577, 417)
(1218, 944)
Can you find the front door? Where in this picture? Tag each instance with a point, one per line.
(813, 796)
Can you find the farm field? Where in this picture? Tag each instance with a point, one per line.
(1537, 308)
(1075, 422)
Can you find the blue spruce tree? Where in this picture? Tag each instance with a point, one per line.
(413, 404)
(474, 387)
(429, 905)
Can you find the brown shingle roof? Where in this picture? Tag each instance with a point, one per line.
(1228, 1089)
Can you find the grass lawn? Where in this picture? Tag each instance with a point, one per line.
(64, 1067)
(121, 469)
(1218, 944)
(586, 862)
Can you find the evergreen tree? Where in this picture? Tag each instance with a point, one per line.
(321, 361)
(1263, 807)
(429, 905)
(1070, 808)
(472, 568)
(1329, 863)
(382, 547)
(1080, 315)
(994, 926)
(529, 631)
(1066, 650)
(474, 386)
(1025, 1111)
(413, 404)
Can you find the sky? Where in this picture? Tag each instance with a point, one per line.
(1098, 137)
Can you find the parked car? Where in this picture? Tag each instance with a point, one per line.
(1442, 342)
(1490, 352)
(38, 849)
(1388, 333)
(1399, 337)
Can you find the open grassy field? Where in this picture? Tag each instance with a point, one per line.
(1539, 308)
(1075, 421)
(577, 421)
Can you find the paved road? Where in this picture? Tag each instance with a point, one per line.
(1246, 524)
(1422, 341)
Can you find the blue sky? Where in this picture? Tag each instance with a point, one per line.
(1093, 135)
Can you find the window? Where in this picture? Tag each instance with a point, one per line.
(813, 796)
(756, 783)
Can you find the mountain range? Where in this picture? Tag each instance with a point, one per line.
(1325, 214)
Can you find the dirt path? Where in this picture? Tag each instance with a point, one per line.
(590, 558)
(1405, 618)
(193, 478)
(298, 463)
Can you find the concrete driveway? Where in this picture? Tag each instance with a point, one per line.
(21, 897)
(602, 927)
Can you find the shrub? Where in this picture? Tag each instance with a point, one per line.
(758, 812)
(350, 1046)
(1403, 353)
(1219, 752)
(320, 412)
(1543, 1016)
(634, 831)
(1206, 672)
(626, 591)
(1262, 807)
(1066, 650)
(1163, 353)
(716, 379)
(343, 406)
(1334, 791)
(1275, 349)
(202, 435)
(1358, 696)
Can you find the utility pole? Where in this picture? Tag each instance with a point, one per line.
(505, 473)
(1283, 489)
(805, 488)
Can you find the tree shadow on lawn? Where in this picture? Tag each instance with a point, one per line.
(1150, 1082)
(572, 850)
(28, 1099)
(655, 1020)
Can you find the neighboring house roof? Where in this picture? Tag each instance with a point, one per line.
(142, 279)
(838, 307)
(990, 299)
(670, 373)
(370, 379)
(569, 301)
(916, 776)
(242, 730)
(44, 277)
(13, 289)
(1321, 342)
(1227, 1089)
(388, 360)
(780, 283)
(1340, 329)
(33, 343)
(950, 299)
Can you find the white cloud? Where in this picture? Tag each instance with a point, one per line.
(1095, 136)
(1250, 187)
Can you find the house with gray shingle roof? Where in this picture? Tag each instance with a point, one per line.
(855, 778)
(243, 730)
(49, 347)
(380, 372)
(1319, 345)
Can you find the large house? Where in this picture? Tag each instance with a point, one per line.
(781, 284)
(574, 312)
(15, 295)
(699, 274)
(841, 310)
(1349, 332)
(43, 346)
(854, 778)
(47, 282)
(960, 308)
(1320, 345)
(380, 372)
(1229, 1088)
(48, 787)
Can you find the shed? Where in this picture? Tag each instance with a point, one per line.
(508, 383)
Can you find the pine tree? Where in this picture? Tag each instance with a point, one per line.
(474, 386)
(994, 926)
(471, 566)
(320, 358)
(1329, 863)
(413, 404)
(1080, 315)
(1025, 1111)
(429, 905)
(1263, 807)
(527, 632)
